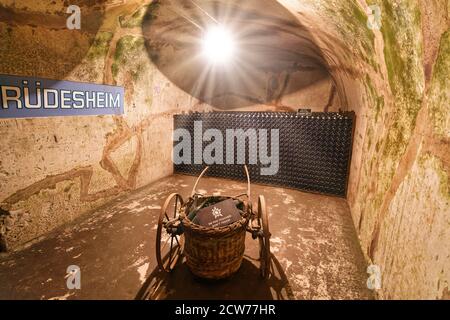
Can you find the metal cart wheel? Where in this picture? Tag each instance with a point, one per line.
(169, 231)
(264, 238)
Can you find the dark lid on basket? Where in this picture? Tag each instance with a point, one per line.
(218, 215)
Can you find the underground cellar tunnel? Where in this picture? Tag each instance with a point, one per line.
(339, 109)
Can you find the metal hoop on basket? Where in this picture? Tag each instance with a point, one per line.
(194, 189)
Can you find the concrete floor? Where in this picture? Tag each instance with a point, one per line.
(316, 252)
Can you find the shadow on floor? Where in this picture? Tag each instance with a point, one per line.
(246, 284)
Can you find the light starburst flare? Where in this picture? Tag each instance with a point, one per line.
(218, 45)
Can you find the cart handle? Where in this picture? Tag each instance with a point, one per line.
(194, 190)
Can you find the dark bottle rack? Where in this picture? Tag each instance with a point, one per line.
(314, 150)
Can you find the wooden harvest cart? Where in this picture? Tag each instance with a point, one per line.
(211, 253)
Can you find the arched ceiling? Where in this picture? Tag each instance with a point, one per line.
(271, 42)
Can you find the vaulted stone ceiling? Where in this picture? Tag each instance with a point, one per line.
(270, 42)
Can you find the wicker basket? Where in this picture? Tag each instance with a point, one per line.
(214, 253)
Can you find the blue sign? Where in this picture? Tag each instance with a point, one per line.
(22, 97)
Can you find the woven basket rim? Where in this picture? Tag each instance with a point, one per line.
(202, 230)
(225, 229)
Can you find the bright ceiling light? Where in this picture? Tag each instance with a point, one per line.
(218, 45)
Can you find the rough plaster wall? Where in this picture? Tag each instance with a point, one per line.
(318, 94)
(54, 169)
(390, 234)
(414, 236)
(399, 192)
